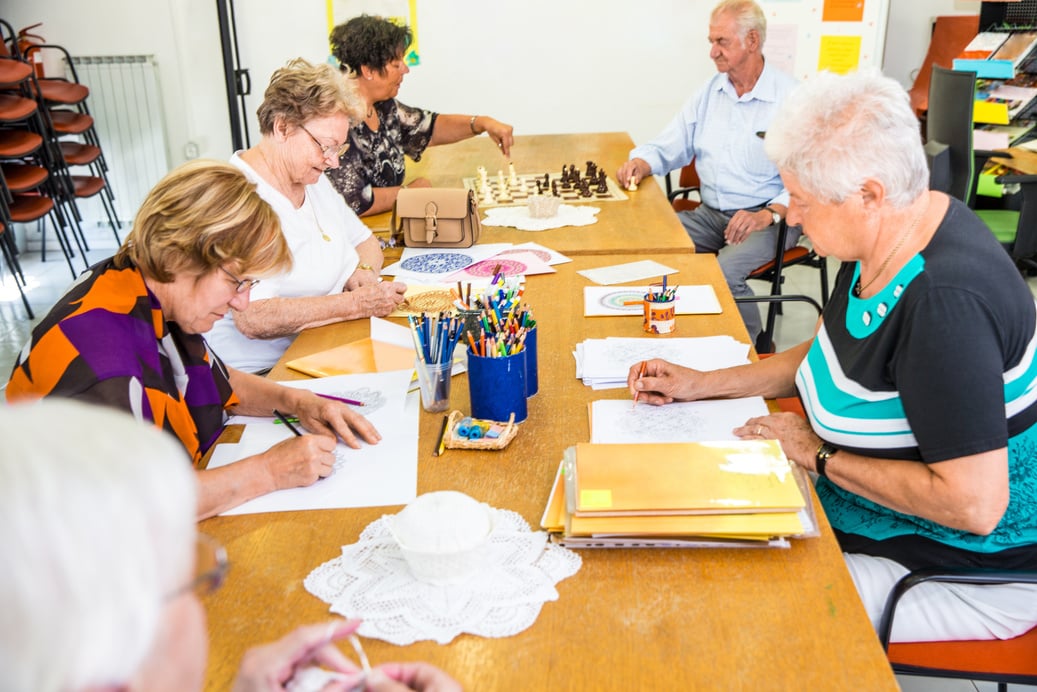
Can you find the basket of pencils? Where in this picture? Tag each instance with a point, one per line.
(465, 432)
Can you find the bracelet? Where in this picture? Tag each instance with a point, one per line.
(365, 265)
(471, 125)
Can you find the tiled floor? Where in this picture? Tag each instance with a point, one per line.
(48, 280)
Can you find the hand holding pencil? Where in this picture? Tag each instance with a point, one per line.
(657, 381)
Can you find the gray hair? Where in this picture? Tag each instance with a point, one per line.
(836, 131)
(97, 527)
(748, 16)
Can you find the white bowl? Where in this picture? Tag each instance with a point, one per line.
(442, 535)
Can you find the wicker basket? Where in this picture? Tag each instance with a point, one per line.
(500, 442)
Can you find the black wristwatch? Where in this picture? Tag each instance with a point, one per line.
(821, 457)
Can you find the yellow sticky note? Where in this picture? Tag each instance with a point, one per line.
(595, 499)
(839, 54)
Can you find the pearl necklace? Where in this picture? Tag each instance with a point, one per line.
(858, 288)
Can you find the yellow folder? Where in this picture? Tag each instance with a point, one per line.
(361, 356)
(729, 477)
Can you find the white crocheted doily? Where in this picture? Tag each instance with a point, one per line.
(371, 581)
(518, 217)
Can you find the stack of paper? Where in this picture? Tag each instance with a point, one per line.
(604, 363)
(741, 493)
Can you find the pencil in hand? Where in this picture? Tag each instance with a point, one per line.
(640, 374)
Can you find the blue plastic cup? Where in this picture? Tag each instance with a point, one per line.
(497, 386)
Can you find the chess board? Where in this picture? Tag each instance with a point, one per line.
(525, 187)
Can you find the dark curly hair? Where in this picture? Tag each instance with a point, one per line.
(369, 40)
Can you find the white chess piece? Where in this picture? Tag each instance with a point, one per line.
(481, 170)
(487, 194)
(512, 178)
(500, 179)
(632, 183)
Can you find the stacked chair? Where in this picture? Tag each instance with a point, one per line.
(45, 128)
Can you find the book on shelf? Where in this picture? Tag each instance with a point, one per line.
(996, 54)
(729, 477)
(992, 137)
(999, 103)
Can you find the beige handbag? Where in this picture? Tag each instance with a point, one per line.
(436, 217)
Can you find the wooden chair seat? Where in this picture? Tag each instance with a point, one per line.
(792, 256)
(29, 208)
(22, 176)
(14, 108)
(17, 143)
(70, 123)
(77, 154)
(87, 185)
(64, 92)
(13, 71)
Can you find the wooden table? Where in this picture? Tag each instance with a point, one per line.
(644, 223)
(629, 619)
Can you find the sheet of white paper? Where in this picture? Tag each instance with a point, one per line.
(604, 363)
(625, 273)
(601, 301)
(618, 420)
(372, 476)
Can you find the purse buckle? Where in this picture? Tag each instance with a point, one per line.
(431, 223)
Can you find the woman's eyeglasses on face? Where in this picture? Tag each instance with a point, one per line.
(242, 285)
(327, 151)
(210, 569)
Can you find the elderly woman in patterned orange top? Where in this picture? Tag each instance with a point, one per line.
(128, 335)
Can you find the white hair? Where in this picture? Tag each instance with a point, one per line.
(836, 131)
(747, 14)
(97, 526)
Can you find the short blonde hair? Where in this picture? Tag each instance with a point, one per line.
(301, 91)
(202, 215)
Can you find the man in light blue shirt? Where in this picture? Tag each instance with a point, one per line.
(743, 198)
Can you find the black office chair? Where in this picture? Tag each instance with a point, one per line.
(772, 271)
(949, 124)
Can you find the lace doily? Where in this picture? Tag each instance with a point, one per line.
(518, 217)
(371, 581)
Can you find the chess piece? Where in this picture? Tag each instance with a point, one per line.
(482, 175)
(500, 180)
(487, 195)
(504, 195)
(592, 170)
(512, 178)
(632, 184)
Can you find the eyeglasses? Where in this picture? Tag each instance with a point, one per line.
(242, 284)
(210, 569)
(327, 151)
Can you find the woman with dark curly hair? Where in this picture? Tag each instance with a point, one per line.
(371, 172)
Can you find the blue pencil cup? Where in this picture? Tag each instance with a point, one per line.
(497, 386)
(532, 376)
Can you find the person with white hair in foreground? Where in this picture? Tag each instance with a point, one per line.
(103, 565)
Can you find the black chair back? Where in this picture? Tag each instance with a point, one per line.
(949, 122)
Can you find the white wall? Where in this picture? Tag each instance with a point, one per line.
(542, 65)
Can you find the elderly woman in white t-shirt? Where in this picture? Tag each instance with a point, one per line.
(304, 120)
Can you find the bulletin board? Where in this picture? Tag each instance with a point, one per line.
(807, 36)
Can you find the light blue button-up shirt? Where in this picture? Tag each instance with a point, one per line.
(718, 129)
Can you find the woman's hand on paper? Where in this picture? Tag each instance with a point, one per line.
(300, 461)
(335, 418)
(377, 299)
(663, 383)
(272, 666)
(793, 431)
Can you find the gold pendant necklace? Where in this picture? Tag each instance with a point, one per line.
(320, 229)
(858, 288)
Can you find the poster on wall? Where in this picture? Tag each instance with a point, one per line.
(403, 12)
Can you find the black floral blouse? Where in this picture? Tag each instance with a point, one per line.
(375, 157)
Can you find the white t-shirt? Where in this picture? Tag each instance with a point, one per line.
(319, 267)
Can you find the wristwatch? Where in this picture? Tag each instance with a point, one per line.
(824, 452)
(775, 216)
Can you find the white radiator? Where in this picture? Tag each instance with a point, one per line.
(126, 103)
